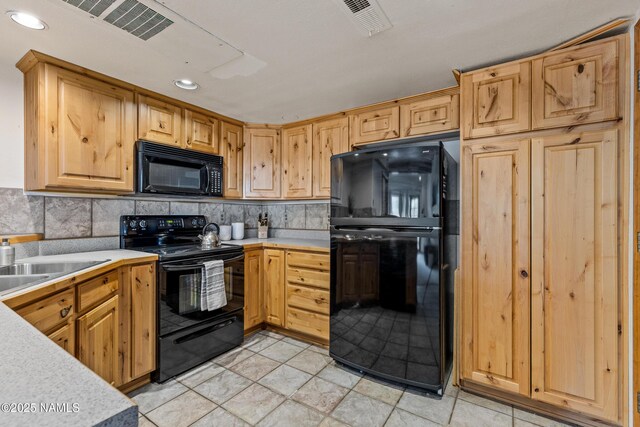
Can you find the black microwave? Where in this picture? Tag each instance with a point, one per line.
(176, 171)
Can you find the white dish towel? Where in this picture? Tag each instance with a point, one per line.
(212, 291)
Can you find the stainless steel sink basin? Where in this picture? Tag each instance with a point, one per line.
(11, 282)
(45, 268)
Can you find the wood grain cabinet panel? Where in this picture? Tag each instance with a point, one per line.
(262, 163)
(576, 86)
(496, 100)
(307, 322)
(253, 289)
(231, 148)
(495, 256)
(80, 132)
(274, 286)
(65, 338)
(201, 132)
(330, 137)
(297, 153)
(575, 336)
(51, 311)
(98, 340)
(159, 121)
(96, 290)
(375, 125)
(430, 115)
(143, 319)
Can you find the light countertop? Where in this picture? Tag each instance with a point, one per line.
(322, 244)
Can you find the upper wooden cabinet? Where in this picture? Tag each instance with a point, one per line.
(330, 137)
(576, 86)
(231, 148)
(430, 115)
(297, 154)
(496, 100)
(159, 121)
(262, 162)
(79, 132)
(201, 132)
(576, 337)
(496, 273)
(375, 125)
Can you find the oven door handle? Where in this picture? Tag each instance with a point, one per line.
(183, 267)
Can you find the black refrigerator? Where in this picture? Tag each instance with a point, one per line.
(394, 226)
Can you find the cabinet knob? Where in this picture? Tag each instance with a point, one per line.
(524, 274)
(65, 311)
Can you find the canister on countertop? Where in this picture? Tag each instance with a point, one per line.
(7, 253)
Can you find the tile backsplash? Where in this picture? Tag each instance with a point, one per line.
(62, 217)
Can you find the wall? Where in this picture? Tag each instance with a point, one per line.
(12, 126)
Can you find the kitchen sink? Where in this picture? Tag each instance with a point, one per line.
(21, 275)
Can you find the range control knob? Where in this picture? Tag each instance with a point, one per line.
(194, 222)
(133, 223)
(143, 223)
(201, 222)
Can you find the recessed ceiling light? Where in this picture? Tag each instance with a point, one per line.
(186, 84)
(27, 20)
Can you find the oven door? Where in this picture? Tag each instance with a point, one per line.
(167, 174)
(179, 291)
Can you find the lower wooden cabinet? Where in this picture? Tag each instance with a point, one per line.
(143, 319)
(98, 340)
(253, 289)
(65, 337)
(274, 291)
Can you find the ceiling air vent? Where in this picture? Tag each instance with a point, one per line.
(138, 19)
(94, 7)
(367, 14)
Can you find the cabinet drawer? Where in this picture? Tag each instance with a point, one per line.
(376, 125)
(97, 290)
(309, 323)
(318, 279)
(316, 300)
(430, 115)
(49, 312)
(308, 260)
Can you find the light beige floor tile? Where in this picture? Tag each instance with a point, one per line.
(200, 374)
(340, 375)
(332, 422)
(153, 395)
(272, 334)
(536, 419)
(181, 411)
(255, 367)
(254, 403)
(144, 422)
(223, 386)
(320, 350)
(258, 342)
(400, 418)
(285, 380)
(436, 410)
(522, 423)
(309, 361)
(295, 342)
(378, 390)
(220, 418)
(320, 394)
(467, 414)
(359, 410)
(281, 351)
(233, 357)
(450, 389)
(487, 403)
(292, 414)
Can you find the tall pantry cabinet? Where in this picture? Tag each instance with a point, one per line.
(543, 241)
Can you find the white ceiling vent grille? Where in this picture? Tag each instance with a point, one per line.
(94, 7)
(138, 19)
(367, 14)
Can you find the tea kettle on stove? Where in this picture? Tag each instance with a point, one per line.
(210, 239)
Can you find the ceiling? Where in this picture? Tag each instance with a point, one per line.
(303, 58)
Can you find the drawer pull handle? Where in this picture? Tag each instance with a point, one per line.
(105, 280)
(65, 311)
(320, 300)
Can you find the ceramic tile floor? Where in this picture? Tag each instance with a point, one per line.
(274, 380)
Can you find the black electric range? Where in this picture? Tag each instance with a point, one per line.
(187, 335)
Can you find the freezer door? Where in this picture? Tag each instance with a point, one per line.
(387, 304)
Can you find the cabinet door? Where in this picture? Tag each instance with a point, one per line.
(496, 100)
(201, 132)
(296, 162)
(495, 265)
(231, 149)
(253, 293)
(576, 86)
(375, 125)
(330, 137)
(97, 333)
(65, 338)
(430, 115)
(159, 121)
(274, 287)
(143, 319)
(262, 163)
(90, 133)
(575, 337)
